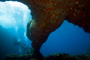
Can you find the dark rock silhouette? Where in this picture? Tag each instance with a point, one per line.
(57, 56)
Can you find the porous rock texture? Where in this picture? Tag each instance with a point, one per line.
(48, 15)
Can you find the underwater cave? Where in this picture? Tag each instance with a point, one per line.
(68, 38)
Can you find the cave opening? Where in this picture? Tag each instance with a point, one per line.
(66, 39)
(14, 17)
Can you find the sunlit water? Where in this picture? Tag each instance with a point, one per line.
(13, 20)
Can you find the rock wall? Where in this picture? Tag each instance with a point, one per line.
(49, 15)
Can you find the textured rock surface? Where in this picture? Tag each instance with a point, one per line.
(56, 56)
(48, 15)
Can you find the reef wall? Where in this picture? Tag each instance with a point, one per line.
(48, 15)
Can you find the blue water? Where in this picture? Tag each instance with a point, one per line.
(68, 38)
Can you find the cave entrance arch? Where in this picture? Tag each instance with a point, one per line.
(14, 17)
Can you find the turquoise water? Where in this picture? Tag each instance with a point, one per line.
(68, 38)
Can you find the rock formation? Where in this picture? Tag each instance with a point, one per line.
(48, 15)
